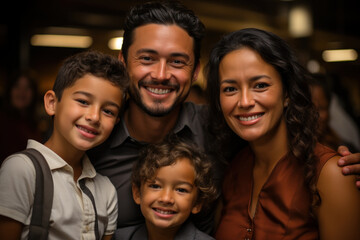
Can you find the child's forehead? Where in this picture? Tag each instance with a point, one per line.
(181, 168)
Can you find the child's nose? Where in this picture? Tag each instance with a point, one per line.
(93, 115)
(167, 196)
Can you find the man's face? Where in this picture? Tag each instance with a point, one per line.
(161, 67)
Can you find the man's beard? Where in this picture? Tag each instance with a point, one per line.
(158, 110)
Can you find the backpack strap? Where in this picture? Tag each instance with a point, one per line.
(87, 191)
(43, 199)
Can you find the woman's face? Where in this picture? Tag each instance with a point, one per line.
(251, 96)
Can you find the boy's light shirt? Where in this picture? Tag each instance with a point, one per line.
(72, 214)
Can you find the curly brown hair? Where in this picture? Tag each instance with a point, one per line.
(168, 152)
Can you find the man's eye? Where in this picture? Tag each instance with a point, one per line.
(177, 63)
(145, 59)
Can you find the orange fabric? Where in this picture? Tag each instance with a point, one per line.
(283, 207)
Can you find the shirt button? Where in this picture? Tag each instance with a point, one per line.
(249, 229)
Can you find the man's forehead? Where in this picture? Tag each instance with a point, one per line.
(162, 36)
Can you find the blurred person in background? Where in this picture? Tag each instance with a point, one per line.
(322, 97)
(18, 115)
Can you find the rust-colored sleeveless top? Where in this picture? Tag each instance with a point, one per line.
(282, 211)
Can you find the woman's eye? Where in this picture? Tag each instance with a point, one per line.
(261, 85)
(229, 89)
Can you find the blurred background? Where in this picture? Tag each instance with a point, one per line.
(312, 28)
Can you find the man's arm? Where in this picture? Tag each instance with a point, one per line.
(350, 163)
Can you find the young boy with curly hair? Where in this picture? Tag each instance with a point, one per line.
(171, 181)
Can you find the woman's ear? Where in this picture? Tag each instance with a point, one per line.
(50, 102)
(136, 194)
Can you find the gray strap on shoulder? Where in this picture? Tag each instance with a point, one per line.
(43, 199)
(87, 191)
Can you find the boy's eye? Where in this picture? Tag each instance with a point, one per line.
(109, 112)
(82, 101)
(154, 186)
(182, 190)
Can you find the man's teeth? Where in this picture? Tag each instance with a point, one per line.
(164, 212)
(250, 117)
(158, 90)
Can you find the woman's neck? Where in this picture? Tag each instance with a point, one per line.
(271, 148)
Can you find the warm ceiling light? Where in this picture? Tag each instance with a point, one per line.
(115, 43)
(300, 22)
(339, 55)
(68, 41)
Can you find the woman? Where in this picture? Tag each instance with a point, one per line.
(283, 185)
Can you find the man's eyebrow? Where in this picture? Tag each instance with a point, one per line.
(146, 50)
(152, 51)
(184, 55)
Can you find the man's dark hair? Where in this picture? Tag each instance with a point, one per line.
(165, 13)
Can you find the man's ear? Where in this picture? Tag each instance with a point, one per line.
(50, 102)
(136, 194)
(197, 208)
(196, 72)
(121, 57)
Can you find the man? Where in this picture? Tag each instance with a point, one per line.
(161, 51)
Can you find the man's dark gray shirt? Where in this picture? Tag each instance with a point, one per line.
(116, 156)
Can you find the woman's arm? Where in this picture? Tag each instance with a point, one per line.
(10, 229)
(339, 212)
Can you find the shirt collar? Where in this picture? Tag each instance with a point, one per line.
(186, 120)
(56, 162)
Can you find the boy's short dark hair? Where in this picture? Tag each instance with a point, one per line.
(165, 13)
(94, 63)
(166, 153)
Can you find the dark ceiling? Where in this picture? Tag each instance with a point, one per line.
(336, 25)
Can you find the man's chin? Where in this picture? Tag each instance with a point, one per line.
(158, 112)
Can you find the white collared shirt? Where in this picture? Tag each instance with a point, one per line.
(72, 214)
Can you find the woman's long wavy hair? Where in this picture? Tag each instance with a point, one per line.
(300, 114)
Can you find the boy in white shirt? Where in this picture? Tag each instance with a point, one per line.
(85, 103)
